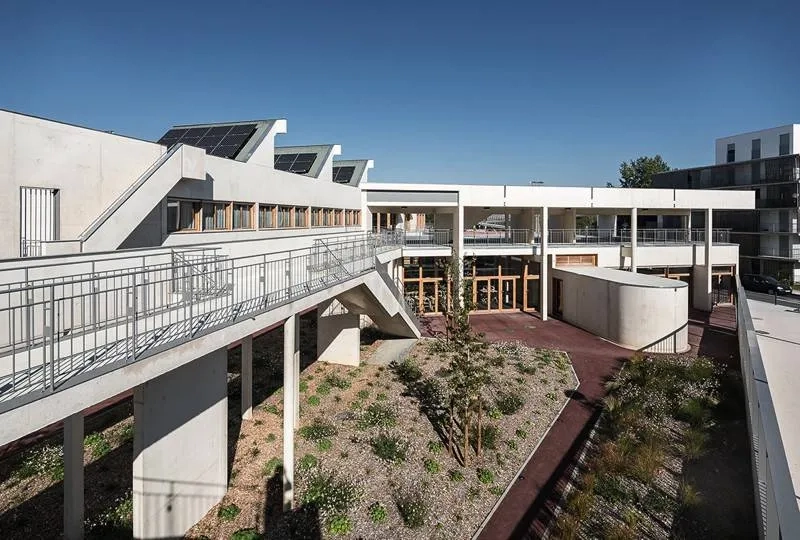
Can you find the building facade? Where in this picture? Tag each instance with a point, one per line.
(766, 162)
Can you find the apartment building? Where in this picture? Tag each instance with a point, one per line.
(132, 265)
(766, 162)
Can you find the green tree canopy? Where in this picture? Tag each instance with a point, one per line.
(638, 173)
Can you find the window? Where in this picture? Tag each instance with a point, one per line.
(755, 152)
(783, 147)
(327, 217)
(337, 218)
(213, 216)
(266, 214)
(731, 152)
(315, 217)
(284, 216)
(241, 216)
(181, 216)
(300, 216)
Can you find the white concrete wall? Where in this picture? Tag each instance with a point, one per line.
(90, 168)
(630, 315)
(180, 464)
(770, 139)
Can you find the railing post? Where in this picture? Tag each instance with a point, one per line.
(50, 332)
(289, 275)
(133, 318)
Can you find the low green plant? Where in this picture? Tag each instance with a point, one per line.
(496, 491)
(303, 386)
(695, 441)
(271, 466)
(580, 503)
(339, 525)
(489, 436)
(330, 494)
(485, 476)
(407, 370)
(494, 413)
(509, 402)
(455, 475)
(473, 493)
(656, 502)
(323, 445)
(551, 396)
(319, 428)
(521, 433)
(567, 526)
(228, 512)
(389, 448)
(609, 487)
(377, 512)
(272, 409)
(512, 444)
(435, 447)
(271, 437)
(307, 462)
(114, 522)
(363, 394)
(381, 396)
(432, 466)
(246, 534)
(336, 381)
(688, 496)
(45, 460)
(378, 415)
(413, 508)
(356, 405)
(97, 444)
(323, 388)
(313, 400)
(124, 433)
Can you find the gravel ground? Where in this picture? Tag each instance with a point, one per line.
(456, 508)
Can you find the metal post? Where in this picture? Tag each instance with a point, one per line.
(133, 315)
(51, 333)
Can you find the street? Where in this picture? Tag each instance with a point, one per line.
(791, 300)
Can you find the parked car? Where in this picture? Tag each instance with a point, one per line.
(764, 284)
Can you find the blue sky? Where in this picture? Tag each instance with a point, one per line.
(433, 91)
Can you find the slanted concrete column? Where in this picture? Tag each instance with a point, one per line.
(290, 391)
(247, 378)
(338, 335)
(180, 447)
(634, 237)
(73, 477)
(543, 275)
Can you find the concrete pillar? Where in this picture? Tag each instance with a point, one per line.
(607, 223)
(290, 390)
(247, 378)
(543, 275)
(73, 477)
(689, 221)
(659, 221)
(570, 223)
(180, 447)
(708, 262)
(296, 371)
(634, 237)
(338, 336)
(458, 250)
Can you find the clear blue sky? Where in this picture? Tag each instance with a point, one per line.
(432, 91)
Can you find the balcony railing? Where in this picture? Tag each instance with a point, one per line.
(788, 253)
(63, 331)
(644, 237)
(497, 237)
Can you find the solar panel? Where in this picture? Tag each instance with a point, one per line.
(343, 175)
(295, 163)
(223, 141)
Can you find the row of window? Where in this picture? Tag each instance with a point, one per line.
(755, 148)
(189, 215)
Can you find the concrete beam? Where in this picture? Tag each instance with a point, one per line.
(73, 477)
(180, 447)
(247, 378)
(290, 389)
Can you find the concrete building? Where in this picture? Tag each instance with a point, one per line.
(132, 265)
(768, 163)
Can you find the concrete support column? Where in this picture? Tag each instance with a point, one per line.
(73, 477)
(607, 224)
(689, 221)
(543, 274)
(290, 391)
(296, 371)
(659, 221)
(634, 237)
(338, 335)
(458, 250)
(570, 223)
(708, 262)
(247, 378)
(180, 447)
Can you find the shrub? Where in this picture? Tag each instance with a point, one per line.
(377, 512)
(435, 447)
(413, 508)
(432, 466)
(381, 396)
(378, 415)
(688, 496)
(246, 534)
(98, 444)
(456, 475)
(47, 460)
(272, 409)
(336, 381)
(228, 512)
(271, 438)
(567, 526)
(694, 443)
(496, 491)
(323, 389)
(313, 400)
(521, 433)
(655, 502)
(331, 495)
(363, 394)
(494, 413)
(339, 525)
(512, 444)
(485, 476)
(509, 403)
(407, 370)
(323, 445)
(694, 412)
(580, 504)
(307, 462)
(608, 486)
(303, 386)
(389, 448)
(271, 466)
(318, 429)
(489, 436)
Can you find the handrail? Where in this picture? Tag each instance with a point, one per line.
(125, 195)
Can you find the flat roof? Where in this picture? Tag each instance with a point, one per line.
(778, 330)
(624, 277)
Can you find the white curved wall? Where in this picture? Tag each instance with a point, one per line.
(625, 309)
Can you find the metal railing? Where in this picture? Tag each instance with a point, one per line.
(60, 332)
(30, 248)
(643, 236)
(497, 237)
(776, 502)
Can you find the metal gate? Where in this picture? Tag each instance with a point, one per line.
(38, 219)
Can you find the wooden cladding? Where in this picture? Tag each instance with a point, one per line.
(589, 259)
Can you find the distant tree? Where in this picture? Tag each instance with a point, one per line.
(638, 173)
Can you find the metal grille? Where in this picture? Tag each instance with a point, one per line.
(38, 219)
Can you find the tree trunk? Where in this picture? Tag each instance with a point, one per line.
(466, 436)
(450, 431)
(480, 426)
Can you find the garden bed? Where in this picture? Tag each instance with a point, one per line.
(371, 450)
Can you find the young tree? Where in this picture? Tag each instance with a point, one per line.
(638, 173)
